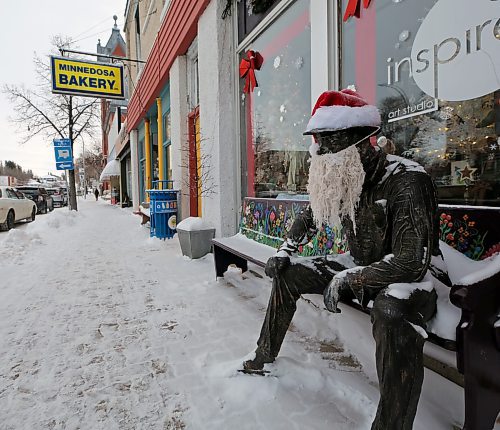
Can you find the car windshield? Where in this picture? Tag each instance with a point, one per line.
(29, 190)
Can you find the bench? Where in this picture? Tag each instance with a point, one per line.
(143, 212)
(473, 360)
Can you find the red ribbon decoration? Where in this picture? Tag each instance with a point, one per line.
(248, 66)
(354, 8)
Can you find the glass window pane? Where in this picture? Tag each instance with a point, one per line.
(456, 142)
(275, 114)
(166, 126)
(11, 194)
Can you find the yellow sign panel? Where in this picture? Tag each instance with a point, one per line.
(87, 78)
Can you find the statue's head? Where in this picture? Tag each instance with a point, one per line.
(341, 123)
(341, 119)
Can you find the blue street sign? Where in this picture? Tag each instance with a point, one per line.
(64, 154)
(65, 166)
(62, 142)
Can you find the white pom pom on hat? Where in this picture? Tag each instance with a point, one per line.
(340, 110)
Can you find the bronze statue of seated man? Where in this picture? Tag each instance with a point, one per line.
(388, 211)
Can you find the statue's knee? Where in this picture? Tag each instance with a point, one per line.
(387, 310)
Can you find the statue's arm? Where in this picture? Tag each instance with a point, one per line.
(411, 210)
(301, 233)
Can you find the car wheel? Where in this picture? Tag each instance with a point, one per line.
(33, 215)
(9, 222)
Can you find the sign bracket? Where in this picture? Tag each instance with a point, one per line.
(93, 54)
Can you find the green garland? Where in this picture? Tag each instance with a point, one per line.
(258, 6)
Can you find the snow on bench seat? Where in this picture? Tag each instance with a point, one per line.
(256, 252)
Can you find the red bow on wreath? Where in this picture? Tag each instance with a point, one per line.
(248, 66)
(354, 8)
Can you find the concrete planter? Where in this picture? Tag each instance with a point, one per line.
(196, 243)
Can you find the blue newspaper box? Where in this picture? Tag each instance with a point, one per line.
(163, 210)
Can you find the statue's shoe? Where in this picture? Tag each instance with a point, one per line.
(256, 366)
(254, 372)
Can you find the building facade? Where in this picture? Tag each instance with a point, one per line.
(195, 116)
(113, 112)
(433, 80)
(181, 121)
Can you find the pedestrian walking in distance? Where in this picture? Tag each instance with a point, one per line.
(96, 193)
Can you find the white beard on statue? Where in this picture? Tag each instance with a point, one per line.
(335, 184)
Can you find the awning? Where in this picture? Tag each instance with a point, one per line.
(111, 169)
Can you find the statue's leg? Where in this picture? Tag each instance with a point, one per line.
(310, 277)
(399, 356)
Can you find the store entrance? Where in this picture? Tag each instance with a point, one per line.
(194, 164)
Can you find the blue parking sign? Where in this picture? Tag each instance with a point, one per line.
(64, 154)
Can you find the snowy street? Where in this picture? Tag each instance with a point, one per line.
(102, 327)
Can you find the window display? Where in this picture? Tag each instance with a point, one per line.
(432, 78)
(275, 113)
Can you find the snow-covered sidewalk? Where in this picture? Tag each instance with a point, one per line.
(102, 327)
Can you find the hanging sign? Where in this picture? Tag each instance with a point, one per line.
(87, 78)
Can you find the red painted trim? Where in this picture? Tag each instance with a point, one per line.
(177, 31)
(365, 46)
(250, 148)
(193, 162)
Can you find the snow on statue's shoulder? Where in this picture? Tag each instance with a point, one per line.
(193, 224)
(398, 164)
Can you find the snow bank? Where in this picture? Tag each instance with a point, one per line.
(17, 242)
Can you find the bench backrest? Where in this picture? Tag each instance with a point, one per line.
(474, 231)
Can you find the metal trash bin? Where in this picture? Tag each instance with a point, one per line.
(162, 210)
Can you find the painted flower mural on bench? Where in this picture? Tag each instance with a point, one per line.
(461, 233)
(268, 222)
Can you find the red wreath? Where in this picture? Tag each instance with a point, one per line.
(248, 66)
(354, 8)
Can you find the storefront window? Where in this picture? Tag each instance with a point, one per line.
(274, 115)
(166, 126)
(384, 55)
(142, 170)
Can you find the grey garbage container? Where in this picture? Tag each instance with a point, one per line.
(195, 243)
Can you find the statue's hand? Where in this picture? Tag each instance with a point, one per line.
(275, 265)
(332, 293)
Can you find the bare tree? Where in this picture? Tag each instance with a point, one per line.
(92, 163)
(39, 112)
(200, 181)
(11, 168)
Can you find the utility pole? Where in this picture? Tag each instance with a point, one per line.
(84, 175)
(71, 173)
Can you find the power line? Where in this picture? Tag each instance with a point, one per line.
(90, 28)
(92, 35)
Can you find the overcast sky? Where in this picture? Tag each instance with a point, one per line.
(28, 27)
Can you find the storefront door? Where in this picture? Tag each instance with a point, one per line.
(194, 164)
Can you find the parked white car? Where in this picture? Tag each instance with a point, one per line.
(59, 196)
(14, 207)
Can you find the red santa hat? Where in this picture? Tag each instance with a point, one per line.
(340, 110)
